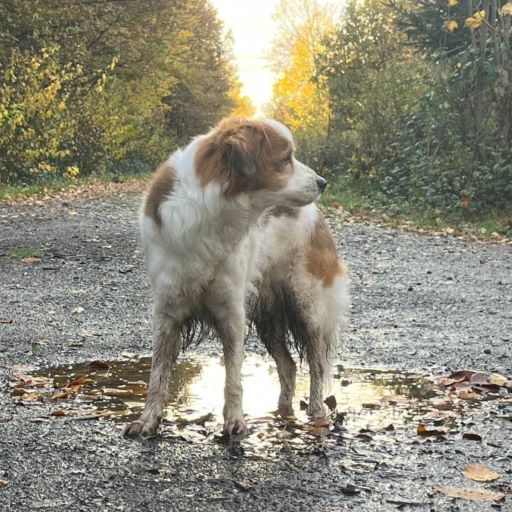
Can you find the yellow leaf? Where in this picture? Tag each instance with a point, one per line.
(480, 473)
(450, 25)
(473, 22)
(452, 3)
(506, 10)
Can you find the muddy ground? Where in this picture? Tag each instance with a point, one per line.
(77, 292)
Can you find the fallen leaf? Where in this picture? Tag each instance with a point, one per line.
(3, 483)
(499, 380)
(30, 260)
(448, 381)
(468, 394)
(60, 395)
(371, 405)
(243, 486)
(98, 366)
(470, 493)
(471, 436)
(31, 381)
(117, 392)
(330, 401)
(480, 473)
(423, 431)
(58, 412)
(78, 310)
(350, 490)
(479, 378)
(6, 321)
(18, 391)
(303, 405)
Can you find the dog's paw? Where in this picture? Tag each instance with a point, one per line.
(235, 426)
(285, 410)
(141, 428)
(315, 412)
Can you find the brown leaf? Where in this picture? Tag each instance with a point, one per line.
(98, 366)
(6, 321)
(480, 473)
(3, 483)
(448, 381)
(423, 431)
(58, 412)
(77, 382)
(468, 394)
(303, 405)
(471, 436)
(18, 391)
(243, 486)
(60, 395)
(470, 493)
(330, 401)
(371, 405)
(30, 260)
(31, 381)
(117, 392)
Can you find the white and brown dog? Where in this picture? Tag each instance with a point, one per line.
(230, 235)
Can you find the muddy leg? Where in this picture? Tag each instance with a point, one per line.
(231, 329)
(166, 347)
(319, 366)
(286, 370)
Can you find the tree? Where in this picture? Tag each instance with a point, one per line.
(298, 100)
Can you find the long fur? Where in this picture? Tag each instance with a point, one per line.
(231, 236)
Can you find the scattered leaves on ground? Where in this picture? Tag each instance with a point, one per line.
(480, 473)
(470, 493)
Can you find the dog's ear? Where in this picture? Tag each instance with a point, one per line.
(242, 150)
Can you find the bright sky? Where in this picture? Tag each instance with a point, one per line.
(252, 27)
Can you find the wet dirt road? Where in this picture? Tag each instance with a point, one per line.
(73, 291)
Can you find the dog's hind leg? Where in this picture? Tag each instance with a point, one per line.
(166, 347)
(273, 334)
(317, 355)
(287, 370)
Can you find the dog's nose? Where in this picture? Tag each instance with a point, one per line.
(321, 184)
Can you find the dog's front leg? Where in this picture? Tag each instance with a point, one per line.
(166, 347)
(231, 329)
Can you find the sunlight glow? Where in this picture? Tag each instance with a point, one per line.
(252, 27)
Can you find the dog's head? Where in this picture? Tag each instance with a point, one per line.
(256, 158)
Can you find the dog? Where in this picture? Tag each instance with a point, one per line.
(231, 235)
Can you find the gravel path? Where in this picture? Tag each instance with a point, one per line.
(420, 303)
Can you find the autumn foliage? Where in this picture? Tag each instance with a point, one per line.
(88, 86)
(412, 100)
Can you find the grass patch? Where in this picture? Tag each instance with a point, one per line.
(26, 252)
(364, 201)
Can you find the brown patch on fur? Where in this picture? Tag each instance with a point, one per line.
(283, 211)
(160, 186)
(322, 260)
(243, 156)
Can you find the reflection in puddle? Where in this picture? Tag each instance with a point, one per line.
(367, 397)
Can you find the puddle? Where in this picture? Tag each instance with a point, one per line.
(367, 397)
(366, 404)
